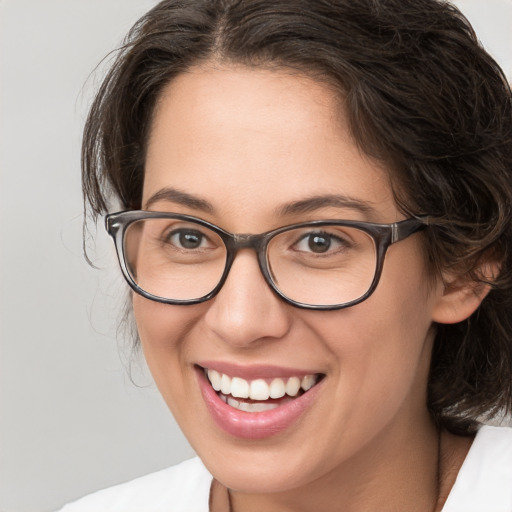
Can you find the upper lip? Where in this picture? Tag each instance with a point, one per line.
(255, 371)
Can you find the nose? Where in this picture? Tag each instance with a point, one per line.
(246, 310)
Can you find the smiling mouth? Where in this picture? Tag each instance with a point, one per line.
(259, 395)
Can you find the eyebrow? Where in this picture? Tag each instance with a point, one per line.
(179, 197)
(314, 203)
(307, 205)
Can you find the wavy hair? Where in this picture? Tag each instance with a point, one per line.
(421, 96)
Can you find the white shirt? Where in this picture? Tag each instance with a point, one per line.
(484, 484)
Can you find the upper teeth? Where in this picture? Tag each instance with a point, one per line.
(259, 389)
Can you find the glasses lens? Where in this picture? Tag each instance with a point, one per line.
(174, 259)
(322, 265)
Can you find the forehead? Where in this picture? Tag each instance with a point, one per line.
(249, 140)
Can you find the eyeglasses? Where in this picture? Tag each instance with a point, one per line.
(324, 264)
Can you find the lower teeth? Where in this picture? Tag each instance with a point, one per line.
(249, 406)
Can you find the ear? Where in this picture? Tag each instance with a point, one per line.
(460, 296)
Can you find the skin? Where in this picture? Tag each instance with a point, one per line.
(249, 141)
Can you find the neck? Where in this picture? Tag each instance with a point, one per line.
(453, 450)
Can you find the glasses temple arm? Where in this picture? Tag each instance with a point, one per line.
(405, 228)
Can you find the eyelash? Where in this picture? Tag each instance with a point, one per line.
(341, 243)
(167, 238)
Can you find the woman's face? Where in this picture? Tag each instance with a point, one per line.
(243, 146)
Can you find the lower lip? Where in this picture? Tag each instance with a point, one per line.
(254, 425)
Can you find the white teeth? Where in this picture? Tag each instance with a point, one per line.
(258, 406)
(250, 407)
(277, 388)
(225, 384)
(215, 379)
(239, 387)
(293, 386)
(231, 401)
(308, 382)
(259, 389)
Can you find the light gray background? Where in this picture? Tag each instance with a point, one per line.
(71, 420)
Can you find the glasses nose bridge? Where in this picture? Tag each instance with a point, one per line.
(235, 242)
(246, 241)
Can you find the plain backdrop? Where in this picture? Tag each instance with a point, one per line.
(71, 420)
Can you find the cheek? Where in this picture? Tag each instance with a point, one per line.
(162, 330)
(399, 337)
(382, 346)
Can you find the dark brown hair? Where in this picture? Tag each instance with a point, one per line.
(421, 96)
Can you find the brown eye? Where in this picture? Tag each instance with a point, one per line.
(319, 242)
(187, 239)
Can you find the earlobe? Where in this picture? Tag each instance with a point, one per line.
(460, 297)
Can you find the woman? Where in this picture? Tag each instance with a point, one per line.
(316, 226)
